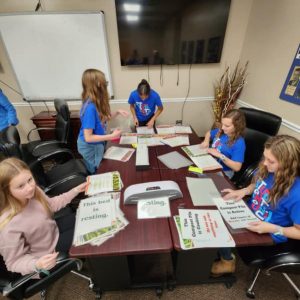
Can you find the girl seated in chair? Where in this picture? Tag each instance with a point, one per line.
(275, 200)
(228, 144)
(29, 237)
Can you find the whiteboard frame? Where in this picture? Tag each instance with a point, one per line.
(106, 59)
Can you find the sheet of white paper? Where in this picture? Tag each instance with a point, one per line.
(206, 162)
(144, 130)
(194, 150)
(154, 208)
(150, 140)
(118, 153)
(202, 191)
(206, 227)
(165, 129)
(128, 139)
(176, 141)
(174, 160)
(183, 129)
(236, 213)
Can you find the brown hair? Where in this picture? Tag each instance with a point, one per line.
(144, 88)
(94, 87)
(9, 168)
(239, 123)
(286, 150)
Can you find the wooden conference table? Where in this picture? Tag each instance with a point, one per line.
(120, 262)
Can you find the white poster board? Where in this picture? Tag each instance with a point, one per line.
(49, 51)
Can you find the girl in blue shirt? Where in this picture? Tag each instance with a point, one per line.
(228, 144)
(275, 200)
(94, 114)
(145, 105)
(8, 115)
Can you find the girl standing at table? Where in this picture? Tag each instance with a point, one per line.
(94, 114)
(228, 144)
(29, 236)
(145, 105)
(275, 200)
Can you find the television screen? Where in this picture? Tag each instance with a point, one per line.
(155, 32)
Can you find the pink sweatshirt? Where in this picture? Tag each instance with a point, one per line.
(31, 234)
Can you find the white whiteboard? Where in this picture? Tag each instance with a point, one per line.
(50, 51)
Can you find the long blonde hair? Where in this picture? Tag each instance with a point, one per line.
(94, 87)
(9, 168)
(239, 124)
(286, 150)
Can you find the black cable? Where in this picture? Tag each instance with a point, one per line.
(188, 92)
(38, 6)
(11, 88)
(161, 75)
(177, 75)
(148, 72)
(45, 103)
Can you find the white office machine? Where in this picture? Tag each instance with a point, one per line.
(142, 157)
(153, 189)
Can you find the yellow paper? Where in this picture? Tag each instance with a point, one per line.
(195, 170)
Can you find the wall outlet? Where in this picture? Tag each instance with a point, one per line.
(178, 122)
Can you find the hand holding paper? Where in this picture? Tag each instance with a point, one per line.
(262, 227)
(235, 195)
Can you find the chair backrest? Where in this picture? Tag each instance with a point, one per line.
(255, 141)
(261, 120)
(62, 124)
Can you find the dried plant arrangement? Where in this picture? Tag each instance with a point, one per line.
(227, 90)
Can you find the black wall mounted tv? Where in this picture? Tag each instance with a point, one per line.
(155, 32)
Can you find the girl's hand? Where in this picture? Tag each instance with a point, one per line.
(262, 227)
(116, 133)
(204, 145)
(150, 124)
(136, 122)
(214, 152)
(80, 188)
(47, 261)
(236, 195)
(123, 113)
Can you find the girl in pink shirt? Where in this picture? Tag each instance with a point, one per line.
(29, 236)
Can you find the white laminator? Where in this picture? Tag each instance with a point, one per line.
(152, 189)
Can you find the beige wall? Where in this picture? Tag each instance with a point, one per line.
(271, 41)
(197, 111)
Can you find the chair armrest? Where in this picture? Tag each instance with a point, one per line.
(38, 129)
(246, 177)
(76, 178)
(47, 143)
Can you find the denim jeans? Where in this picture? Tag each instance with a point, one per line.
(225, 253)
(92, 154)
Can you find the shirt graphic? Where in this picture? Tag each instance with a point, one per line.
(259, 202)
(217, 144)
(144, 108)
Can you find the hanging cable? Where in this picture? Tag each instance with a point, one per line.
(161, 75)
(38, 6)
(11, 88)
(188, 92)
(148, 72)
(177, 75)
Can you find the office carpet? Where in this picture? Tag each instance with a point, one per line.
(274, 287)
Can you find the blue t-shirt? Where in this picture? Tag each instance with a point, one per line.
(90, 119)
(287, 211)
(235, 152)
(144, 109)
(8, 115)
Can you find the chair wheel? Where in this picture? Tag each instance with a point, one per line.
(251, 294)
(159, 292)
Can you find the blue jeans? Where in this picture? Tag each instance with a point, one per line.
(225, 253)
(92, 154)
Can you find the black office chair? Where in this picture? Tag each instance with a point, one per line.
(255, 141)
(261, 120)
(60, 179)
(10, 135)
(285, 261)
(260, 125)
(16, 286)
(61, 130)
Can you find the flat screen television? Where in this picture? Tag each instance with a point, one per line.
(155, 32)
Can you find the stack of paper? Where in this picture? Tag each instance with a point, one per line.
(174, 160)
(175, 141)
(201, 229)
(165, 129)
(98, 219)
(145, 130)
(183, 129)
(106, 182)
(118, 153)
(194, 150)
